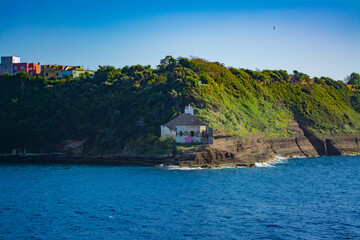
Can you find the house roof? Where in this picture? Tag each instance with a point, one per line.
(185, 119)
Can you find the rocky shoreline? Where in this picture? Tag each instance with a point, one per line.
(228, 151)
(234, 151)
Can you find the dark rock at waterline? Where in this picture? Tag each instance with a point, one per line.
(235, 151)
(226, 151)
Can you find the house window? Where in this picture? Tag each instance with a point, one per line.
(180, 133)
(57, 74)
(22, 67)
(15, 68)
(192, 133)
(46, 74)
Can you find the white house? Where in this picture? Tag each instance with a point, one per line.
(186, 128)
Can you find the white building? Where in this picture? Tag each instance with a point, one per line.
(186, 128)
(7, 64)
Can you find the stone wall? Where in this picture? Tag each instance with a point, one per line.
(166, 132)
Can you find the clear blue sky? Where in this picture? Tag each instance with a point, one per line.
(317, 37)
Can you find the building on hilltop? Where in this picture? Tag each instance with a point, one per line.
(186, 128)
(53, 71)
(76, 71)
(29, 68)
(7, 64)
(61, 71)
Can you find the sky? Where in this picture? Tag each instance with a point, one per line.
(317, 37)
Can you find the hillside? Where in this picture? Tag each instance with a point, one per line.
(121, 110)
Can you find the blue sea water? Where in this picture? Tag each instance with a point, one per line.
(309, 198)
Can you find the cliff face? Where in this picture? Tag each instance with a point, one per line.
(341, 145)
(299, 145)
(234, 151)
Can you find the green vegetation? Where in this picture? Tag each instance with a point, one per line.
(121, 110)
(353, 79)
(186, 146)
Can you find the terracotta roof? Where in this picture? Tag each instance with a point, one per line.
(183, 120)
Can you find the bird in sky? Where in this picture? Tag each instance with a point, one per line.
(274, 27)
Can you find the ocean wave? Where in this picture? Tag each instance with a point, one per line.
(264, 164)
(277, 160)
(174, 167)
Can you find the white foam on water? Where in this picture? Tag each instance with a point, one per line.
(277, 160)
(264, 164)
(299, 157)
(173, 167)
(227, 167)
(278, 157)
(110, 217)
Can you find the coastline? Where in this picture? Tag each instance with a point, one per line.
(226, 151)
(166, 162)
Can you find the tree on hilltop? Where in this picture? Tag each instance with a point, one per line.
(353, 79)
